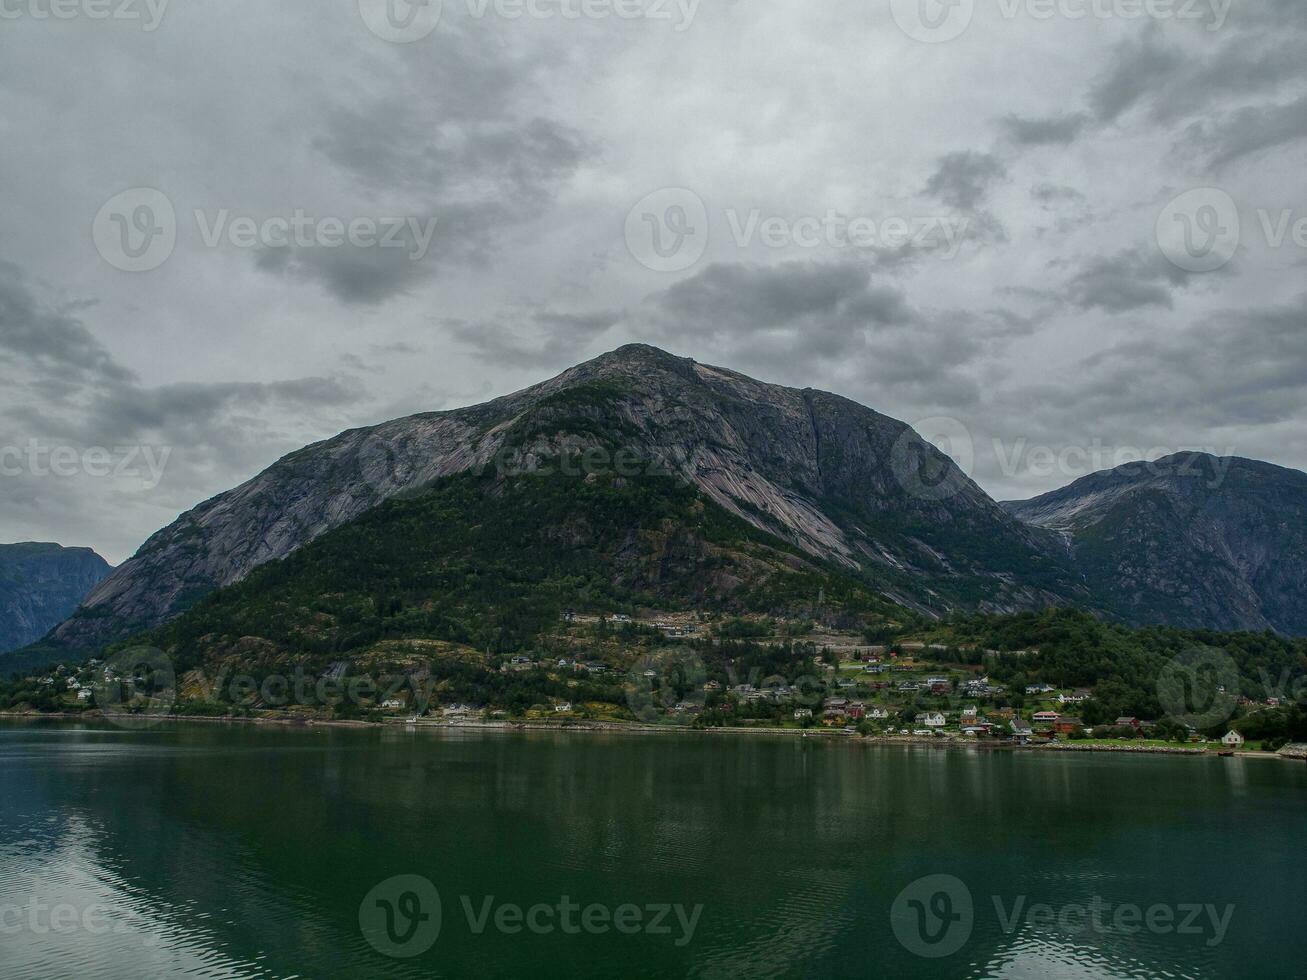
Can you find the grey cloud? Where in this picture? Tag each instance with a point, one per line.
(811, 324)
(354, 275)
(1129, 280)
(963, 179)
(1248, 131)
(1054, 130)
(50, 340)
(1174, 83)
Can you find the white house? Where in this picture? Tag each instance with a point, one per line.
(932, 719)
(802, 713)
(1232, 740)
(84, 694)
(393, 704)
(562, 707)
(879, 714)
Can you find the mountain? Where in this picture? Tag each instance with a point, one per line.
(492, 565)
(40, 585)
(846, 486)
(1191, 539)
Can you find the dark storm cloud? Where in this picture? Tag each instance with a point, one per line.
(1248, 131)
(1234, 367)
(811, 323)
(1054, 130)
(354, 275)
(50, 341)
(751, 297)
(963, 179)
(1172, 82)
(1129, 280)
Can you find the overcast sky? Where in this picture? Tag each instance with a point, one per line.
(978, 218)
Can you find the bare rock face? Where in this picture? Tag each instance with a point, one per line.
(844, 483)
(41, 584)
(1192, 540)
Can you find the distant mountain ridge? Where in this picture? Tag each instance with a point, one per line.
(1192, 539)
(857, 492)
(844, 483)
(40, 585)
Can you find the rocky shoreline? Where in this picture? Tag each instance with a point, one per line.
(1289, 752)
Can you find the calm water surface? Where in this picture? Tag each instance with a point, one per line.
(239, 851)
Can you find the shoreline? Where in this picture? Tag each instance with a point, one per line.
(637, 728)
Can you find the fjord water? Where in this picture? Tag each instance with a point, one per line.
(217, 850)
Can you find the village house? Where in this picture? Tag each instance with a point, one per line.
(879, 714)
(1134, 723)
(562, 707)
(1232, 740)
(1020, 731)
(392, 704)
(1068, 726)
(802, 713)
(932, 719)
(1045, 717)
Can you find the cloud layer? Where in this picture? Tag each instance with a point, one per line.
(964, 230)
